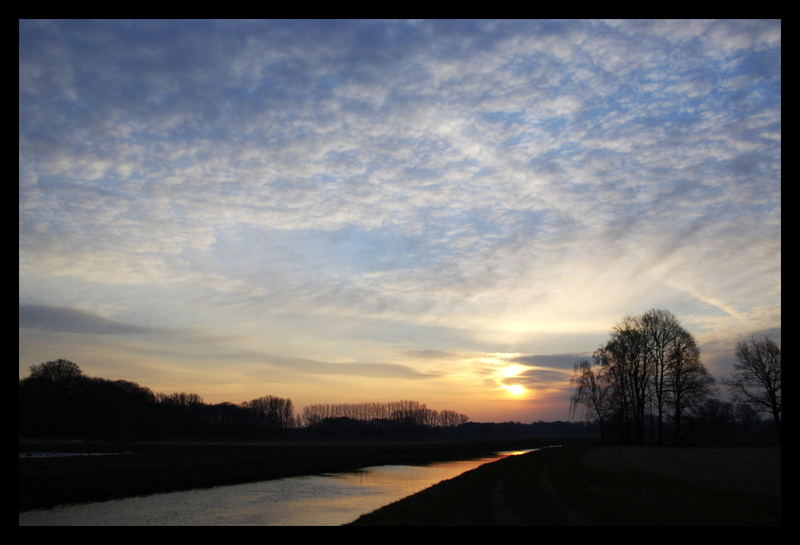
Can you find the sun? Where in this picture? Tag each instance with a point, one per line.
(515, 389)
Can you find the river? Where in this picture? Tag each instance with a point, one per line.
(314, 500)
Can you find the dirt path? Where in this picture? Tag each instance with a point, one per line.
(503, 516)
(571, 516)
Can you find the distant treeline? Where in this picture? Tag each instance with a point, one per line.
(394, 411)
(58, 401)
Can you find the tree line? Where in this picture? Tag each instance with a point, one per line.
(648, 381)
(395, 418)
(393, 411)
(58, 401)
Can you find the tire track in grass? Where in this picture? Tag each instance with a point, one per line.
(502, 499)
(571, 515)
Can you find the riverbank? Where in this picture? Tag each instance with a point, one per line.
(581, 484)
(119, 470)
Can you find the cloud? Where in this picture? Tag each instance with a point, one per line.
(558, 361)
(489, 181)
(373, 370)
(429, 354)
(65, 319)
(539, 378)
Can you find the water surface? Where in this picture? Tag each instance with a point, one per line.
(314, 500)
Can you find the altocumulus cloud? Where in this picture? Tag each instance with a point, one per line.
(480, 177)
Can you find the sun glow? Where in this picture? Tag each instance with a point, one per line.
(515, 389)
(502, 370)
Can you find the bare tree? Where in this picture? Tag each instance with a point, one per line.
(393, 411)
(179, 399)
(448, 418)
(662, 331)
(274, 413)
(757, 377)
(629, 365)
(649, 361)
(689, 382)
(592, 393)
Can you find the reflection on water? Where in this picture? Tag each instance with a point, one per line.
(505, 453)
(298, 501)
(66, 454)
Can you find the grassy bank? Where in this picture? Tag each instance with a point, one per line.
(142, 469)
(583, 484)
(480, 497)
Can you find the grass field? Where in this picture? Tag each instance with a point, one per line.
(703, 485)
(582, 484)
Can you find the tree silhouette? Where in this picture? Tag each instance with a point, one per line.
(630, 368)
(380, 415)
(273, 413)
(650, 362)
(688, 380)
(662, 332)
(592, 389)
(757, 377)
(56, 370)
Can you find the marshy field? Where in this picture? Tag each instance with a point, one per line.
(577, 483)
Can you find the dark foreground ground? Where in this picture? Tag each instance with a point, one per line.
(582, 485)
(577, 483)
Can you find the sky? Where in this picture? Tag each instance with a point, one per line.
(346, 211)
